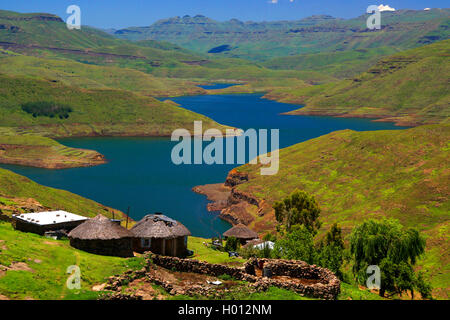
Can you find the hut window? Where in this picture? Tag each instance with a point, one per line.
(146, 243)
(185, 241)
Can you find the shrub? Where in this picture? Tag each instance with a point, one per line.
(232, 244)
(225, 277)
(299, 208)
(47, 109)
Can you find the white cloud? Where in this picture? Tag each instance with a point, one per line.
(383, 7)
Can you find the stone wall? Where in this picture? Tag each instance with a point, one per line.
(201, 267)
(310, 280)
(305, 279)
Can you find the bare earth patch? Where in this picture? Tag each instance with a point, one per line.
(143, 288)
(20, 266)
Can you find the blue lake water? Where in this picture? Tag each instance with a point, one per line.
(216, 86)
(140, 173)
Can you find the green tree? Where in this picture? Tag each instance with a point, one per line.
(390, 246)
(232, 244)
(296, 245)
(298, 208)
(330, 252)
(423, 287)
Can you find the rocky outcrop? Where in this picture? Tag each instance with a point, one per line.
(235, 206)
(118, 296)
(237, 213)
(235, 178)
(237, 196)
(10, 28)
(37, 17)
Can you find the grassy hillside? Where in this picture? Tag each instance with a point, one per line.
(38, 267)
(340, 64)
(93, 112)
(49, 31)
(88, 76)
(407, 88)
(43, 152)
(354, 176)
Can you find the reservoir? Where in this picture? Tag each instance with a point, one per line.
(140, 174)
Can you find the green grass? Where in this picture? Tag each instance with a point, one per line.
(354, 176)
(48, 260)
(203, 253)
(351, 292)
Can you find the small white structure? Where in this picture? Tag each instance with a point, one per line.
(427, 9)
(267, 244)
(41, 222)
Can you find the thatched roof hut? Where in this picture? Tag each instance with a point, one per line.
(159, 226)
(241, 232)
(160, 234)
(102, 236)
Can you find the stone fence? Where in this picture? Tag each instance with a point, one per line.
(201, 267)
(305, 279)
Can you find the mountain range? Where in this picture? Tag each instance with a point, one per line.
(262, 41)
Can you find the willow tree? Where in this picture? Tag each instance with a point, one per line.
(298, 208)
(392, 248)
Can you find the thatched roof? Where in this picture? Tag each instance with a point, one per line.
(241, 232)
(159, 226)
(100, 228)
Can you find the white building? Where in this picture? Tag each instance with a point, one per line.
(41, 222)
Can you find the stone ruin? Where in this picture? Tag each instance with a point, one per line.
(298, 276)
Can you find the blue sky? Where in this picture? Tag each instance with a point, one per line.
(124, 13)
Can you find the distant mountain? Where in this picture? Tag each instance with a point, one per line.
(264, 40)
(46, 36)
(45, 32)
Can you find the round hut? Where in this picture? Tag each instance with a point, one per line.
(161, 235)
(102, 236)
(241, 232)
